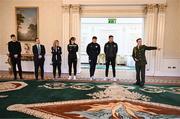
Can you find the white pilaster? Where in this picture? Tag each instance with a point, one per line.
(75, 28)
(160, 36)
(150, 31)
(65, 37)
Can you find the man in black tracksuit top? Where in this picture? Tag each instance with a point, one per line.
(14, 48)
(110, 50)
(93, 50)
(140, 60)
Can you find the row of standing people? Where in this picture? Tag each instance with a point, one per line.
(39, 51)
(93, 49)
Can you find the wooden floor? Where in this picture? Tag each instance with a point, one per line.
(123, 76)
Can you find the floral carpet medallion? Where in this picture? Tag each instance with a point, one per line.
(99, 101)
(11, 86)
(99, 109)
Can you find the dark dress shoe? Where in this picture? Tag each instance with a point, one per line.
(141, 84)
(137, 83)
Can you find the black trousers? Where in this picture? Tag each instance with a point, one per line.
(16, 61)
(72, 61)
(39, 63)
(140, 73)
(92, 63)
(111, 60)
(56, 66)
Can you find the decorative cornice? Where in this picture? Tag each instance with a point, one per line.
(75, 8)
(162, 8)
(114, 2)
(150, 8)
(66, 8)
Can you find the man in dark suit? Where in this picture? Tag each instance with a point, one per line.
(140, 60)
(39, 52)
(14, 48)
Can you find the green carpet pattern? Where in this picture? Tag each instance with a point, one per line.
(52, 91)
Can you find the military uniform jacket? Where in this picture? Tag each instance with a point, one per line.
(110, 49)
(139, 54)
(93, 50)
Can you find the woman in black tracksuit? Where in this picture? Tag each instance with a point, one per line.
(72, 56)
(56, 58)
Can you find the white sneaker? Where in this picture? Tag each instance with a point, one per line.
(91, 78)
(74, 78)
(69, 78)
(105, 78)
(114, 79)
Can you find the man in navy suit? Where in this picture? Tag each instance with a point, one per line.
(39, 52)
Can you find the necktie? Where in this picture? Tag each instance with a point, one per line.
(39, 49)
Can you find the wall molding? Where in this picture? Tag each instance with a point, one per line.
(114, 2)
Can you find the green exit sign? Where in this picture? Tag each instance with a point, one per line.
(112, 21)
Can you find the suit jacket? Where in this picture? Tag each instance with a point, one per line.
(56, 54)
(139, 54)
(14, 48)
(35, 52)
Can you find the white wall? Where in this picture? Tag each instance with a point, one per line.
(172, 30)
(170, 63)
(50, 26)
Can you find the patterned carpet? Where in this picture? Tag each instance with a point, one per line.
(84, 78)
(118, 67)
(82, 99)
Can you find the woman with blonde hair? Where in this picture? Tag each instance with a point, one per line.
(56, 58)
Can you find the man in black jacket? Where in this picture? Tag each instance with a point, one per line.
(140, 60)
(39, 52)
(110, 50)
(14, 48)
(93, 50)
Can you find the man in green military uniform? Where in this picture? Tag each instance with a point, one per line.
(140, 60)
